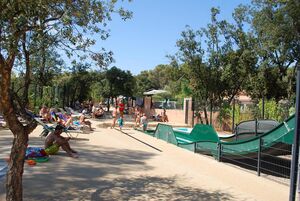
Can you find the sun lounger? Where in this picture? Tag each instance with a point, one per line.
(72, 112)
(47, 129)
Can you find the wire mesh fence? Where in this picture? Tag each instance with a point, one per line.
(273, 162)
(267, 155)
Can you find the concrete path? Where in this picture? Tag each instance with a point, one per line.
(133, 166)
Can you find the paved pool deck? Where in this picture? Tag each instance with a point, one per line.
(130, 165)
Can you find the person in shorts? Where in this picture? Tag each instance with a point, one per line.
(54, 141)
(121, 122)
(114, 116)
(144, 122)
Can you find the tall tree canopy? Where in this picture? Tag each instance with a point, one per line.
(27, 27)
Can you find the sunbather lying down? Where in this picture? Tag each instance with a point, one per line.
(54, 140)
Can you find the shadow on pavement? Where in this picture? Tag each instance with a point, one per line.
(153, 188)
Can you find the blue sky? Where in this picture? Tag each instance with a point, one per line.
(143, 42)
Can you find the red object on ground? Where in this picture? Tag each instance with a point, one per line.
(31, 162)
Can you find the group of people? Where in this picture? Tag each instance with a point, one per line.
(96, 109)
(163, 117)
(63, 118)
(140, 117)
(119, 109)
(64, 121)
(54, 140)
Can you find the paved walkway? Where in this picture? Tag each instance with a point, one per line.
(133, 166)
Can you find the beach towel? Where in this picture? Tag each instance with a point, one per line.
(35, 152)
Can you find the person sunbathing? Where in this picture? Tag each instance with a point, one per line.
(61, 118)
(97, 112)
(45, 114)
(54, 141)
(83, 121)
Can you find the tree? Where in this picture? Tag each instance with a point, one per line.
(119, 82)
(143, 83)
(277, 50)
(219, 72)
(191, 54)
(161, 77)
(65, 24)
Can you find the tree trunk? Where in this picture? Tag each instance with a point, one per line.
(205, 115)
(108, 104)
(199, 115)
(15, 171)
(27, 73)
(41, 92)
(211, 112)
(200, 118)
(64, 95)
(14, 189)
(71, 103)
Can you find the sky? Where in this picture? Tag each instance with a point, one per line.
(141, 43)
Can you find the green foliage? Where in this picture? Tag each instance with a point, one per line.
(226, 113)
(29, 31)
(118, 82)
(275, 110)
(278, 51)
(165, 77)
(95, 92)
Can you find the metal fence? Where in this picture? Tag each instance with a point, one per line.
(167, 105)
(271, 162)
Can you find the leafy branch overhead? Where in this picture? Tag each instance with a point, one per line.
(33, 35)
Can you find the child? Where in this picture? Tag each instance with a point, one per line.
(137, 119)
(144, 122)
(114, 116)
(120, 122)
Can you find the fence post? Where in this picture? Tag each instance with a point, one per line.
(263, 107)
(295, 151)
(260, 141)
(219, 152)
(233, 116)
(236, 132)
(255, 126)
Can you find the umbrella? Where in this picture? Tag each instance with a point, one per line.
(153, 92)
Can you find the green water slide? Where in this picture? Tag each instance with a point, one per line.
(204, 138)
